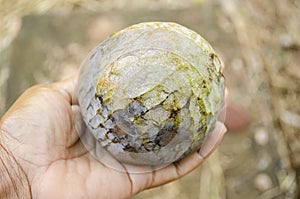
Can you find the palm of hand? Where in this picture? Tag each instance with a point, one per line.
(41, 130)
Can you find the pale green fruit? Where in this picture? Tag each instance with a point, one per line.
(151, 93)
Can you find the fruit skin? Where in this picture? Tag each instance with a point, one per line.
(151, 93)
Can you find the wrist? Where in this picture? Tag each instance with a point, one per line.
(13, 180)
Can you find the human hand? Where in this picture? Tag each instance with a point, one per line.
(40, 142)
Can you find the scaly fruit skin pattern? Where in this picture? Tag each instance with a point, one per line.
(151, 93)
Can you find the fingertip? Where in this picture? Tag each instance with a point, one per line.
(213, 140)
(221, 126)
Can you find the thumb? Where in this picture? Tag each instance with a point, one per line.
(67, 87)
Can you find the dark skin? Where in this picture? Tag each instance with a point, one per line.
(41, 134)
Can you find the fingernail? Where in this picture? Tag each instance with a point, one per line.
(213, 140)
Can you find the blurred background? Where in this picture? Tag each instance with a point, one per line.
(259, 42)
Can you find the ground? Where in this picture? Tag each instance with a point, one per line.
(258, 41)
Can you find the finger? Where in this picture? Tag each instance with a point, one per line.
(226, 94)
(78, 123)
(221, 59)
(223, 110)
(236, 118)
(75, 146)
(213, 140)
(67, 88)
(186, 165)
(222, 64)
